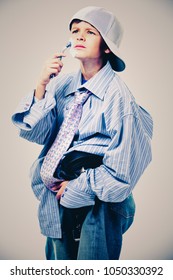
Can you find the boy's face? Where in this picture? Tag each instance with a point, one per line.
(86, 41)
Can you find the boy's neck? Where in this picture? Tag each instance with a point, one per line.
(90, 68)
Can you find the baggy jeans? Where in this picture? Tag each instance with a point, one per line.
(101, 228)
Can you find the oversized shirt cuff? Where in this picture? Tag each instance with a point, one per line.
(30, 110)
(78, 193)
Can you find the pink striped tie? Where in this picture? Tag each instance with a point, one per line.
(63, 140)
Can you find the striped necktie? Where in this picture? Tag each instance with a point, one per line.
(63, 140)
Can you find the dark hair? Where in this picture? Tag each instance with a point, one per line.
(76, 20)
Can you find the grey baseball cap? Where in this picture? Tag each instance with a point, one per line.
(109, 28)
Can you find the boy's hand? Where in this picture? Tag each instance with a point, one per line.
(51, 66)
(60, 189)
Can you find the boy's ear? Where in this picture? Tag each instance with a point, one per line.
(107, 51)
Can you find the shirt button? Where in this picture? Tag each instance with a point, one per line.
(62, 195)
(65, 189)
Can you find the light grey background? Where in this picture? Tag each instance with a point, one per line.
(33, 30)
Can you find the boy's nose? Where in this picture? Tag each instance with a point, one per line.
(81, 37)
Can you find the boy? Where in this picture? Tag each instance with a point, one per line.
(86, 216)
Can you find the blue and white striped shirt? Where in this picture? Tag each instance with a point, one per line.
(112, 125)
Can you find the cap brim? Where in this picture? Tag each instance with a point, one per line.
(114, 57)
(117, 64)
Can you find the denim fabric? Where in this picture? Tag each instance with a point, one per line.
(102, 229)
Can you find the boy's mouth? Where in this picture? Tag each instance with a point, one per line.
(79, 46)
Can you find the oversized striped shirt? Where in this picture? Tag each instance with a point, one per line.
(113, 125)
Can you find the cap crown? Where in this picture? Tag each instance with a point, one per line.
(109, 28)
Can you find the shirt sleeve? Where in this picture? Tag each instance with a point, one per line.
(35, 118)
(125, 160)
(30, 110)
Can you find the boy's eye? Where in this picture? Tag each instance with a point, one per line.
(74, 31)
(91, 32)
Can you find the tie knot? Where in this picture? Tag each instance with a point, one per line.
(81, 97)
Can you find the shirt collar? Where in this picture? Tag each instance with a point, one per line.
(97, 85)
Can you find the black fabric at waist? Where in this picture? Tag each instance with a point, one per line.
(73, 164)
